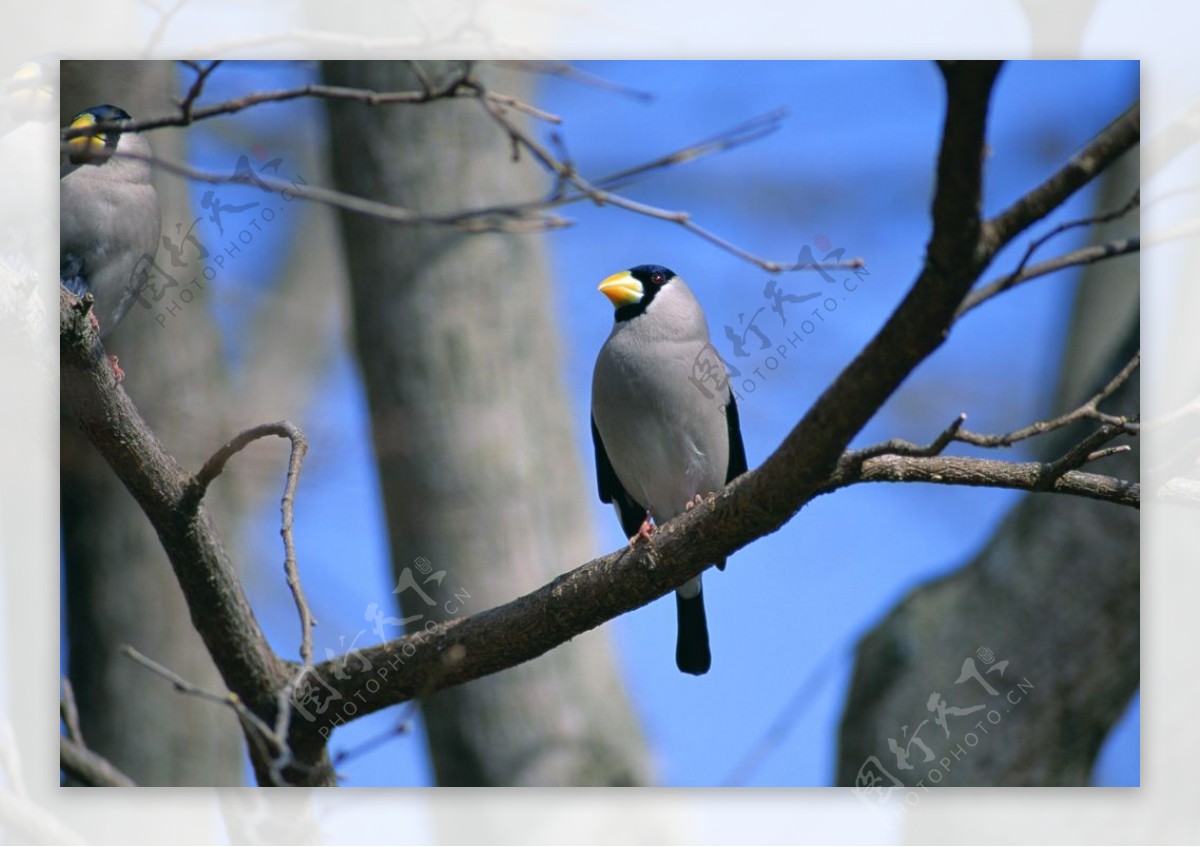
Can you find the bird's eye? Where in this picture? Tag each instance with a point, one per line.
(657, 279)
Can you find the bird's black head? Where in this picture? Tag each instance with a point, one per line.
(652, 276)
(95, 148)
(643, 283)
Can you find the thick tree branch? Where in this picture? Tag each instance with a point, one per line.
(806, 464)
(987, 473)
(757, 503)
(219, 609)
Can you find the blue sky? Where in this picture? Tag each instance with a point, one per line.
(850, 167)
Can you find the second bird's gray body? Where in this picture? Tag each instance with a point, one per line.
(109, 220)
(666, 440)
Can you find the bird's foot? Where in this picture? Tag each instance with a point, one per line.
(644, 532)
(116, 368)
(698, 499)
(95, 321)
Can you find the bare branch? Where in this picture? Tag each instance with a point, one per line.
(187, 105)
(1085, 451)
(1083, 256)
(74, 758)
(900, 447)
(69, 712)
(1114, 140)
(529, 217)
(1018, 274)
(216, 601)
(262, 737)
(456, 87)
(213, 467)
(756, 503)
(987, 473)
(88, 767)
(811, 461)
(603, 197)
(1089, 410)
(567, 71)
(497, 220)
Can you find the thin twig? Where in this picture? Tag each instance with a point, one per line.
(270, 745)
(88, 767)
(1083, 256)
(456, 87)
(530, 217)
(900, 447)
(501, 220)
(212, 469)
(567, 71)
(602, 197)
(187, 105)
(1089, 410)
(70, 712)
(1080, 454)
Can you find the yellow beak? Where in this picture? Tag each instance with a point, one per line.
(622, 289)
(83, 148)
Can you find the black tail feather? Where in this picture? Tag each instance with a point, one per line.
(691, 647)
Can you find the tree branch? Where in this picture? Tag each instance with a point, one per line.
(1088, 410)
(1114, 140)
(760, 501)
(522, 217)
(88, 767)
(987, 473)
(1082, 256)
(218, 606)
(212, 469)
(809, 462)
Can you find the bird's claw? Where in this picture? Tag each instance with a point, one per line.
(116, 368)
(644, 532)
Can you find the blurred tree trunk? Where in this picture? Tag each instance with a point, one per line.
(120, 589)
(471, 424)
(1055, 592)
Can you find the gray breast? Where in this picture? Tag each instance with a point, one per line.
(666, 440)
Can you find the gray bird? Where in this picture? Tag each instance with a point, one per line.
(109, 219)
(663, 437)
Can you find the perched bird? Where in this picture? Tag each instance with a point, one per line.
(663, 438)
(109, 216)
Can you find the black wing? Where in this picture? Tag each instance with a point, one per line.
(737, 449)
(611, 490)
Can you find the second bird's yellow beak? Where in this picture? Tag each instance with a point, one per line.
(622, 289)
(84, 148)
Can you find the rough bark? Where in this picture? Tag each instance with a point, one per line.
(120, 588)
(1056, 592)
(471, 426)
